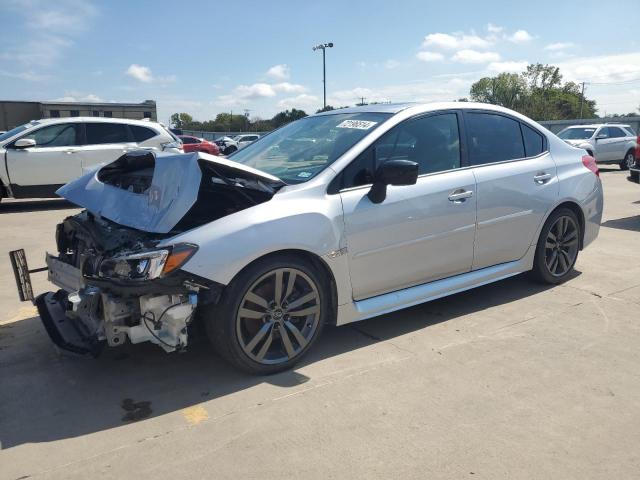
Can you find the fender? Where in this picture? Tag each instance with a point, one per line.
(291, 220)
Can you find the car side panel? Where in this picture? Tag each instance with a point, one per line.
(300, 220)
(511, 204)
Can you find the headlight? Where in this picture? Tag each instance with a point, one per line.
(147, 265)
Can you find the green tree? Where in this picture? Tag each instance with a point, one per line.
(287, 116)
(179, 120)
(328, 108)
(538, 93)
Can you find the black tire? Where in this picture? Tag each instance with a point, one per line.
(628, 161)
(230, 150)
(222, 320)
(541, 271)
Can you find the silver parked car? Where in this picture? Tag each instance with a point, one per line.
(607, 143)
(334, 218)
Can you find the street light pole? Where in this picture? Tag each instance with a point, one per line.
(323, 47)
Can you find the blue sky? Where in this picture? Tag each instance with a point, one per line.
(207, 57)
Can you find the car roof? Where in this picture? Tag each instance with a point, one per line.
(597, 125)
(49, 121)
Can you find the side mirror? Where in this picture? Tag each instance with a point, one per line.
(600, 137)
(25, 143)
(392, 172)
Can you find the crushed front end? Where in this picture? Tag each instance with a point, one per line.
(116, 284)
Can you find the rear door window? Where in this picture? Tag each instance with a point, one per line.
(493, 138)
(103, 133)
(615, 132)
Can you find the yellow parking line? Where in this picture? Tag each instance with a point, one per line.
(195, 415)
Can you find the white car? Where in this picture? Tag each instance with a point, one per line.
(244, 140)
(608, 143)
(334, 218)
(42, 155)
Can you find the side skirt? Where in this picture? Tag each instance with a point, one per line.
(408, 297)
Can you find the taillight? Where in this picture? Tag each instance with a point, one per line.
(590, 162)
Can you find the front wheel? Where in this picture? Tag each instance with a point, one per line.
(629, 161)
(557, 249)
(270, 314)
(230, 150)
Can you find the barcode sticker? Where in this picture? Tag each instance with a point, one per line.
(357, 124)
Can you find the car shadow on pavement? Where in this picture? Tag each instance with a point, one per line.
(35, 205)
(46, 395)
(627, 223)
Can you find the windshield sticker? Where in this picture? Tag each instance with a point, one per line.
(305, 174)
(357, 124)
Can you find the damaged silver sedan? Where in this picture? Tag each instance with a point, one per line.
(334, 218)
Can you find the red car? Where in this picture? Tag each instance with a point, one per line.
(195, 144)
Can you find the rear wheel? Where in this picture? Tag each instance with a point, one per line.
(558, 245)
(270, 314)
(629, 160)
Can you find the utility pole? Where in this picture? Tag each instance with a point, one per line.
(323, 47)
(582, 99)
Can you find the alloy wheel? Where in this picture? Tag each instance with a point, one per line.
(630, 160)
(561, 246)
(278, 316)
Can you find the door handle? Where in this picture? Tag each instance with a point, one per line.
(460, 195)
(542, 178)
(69, 152)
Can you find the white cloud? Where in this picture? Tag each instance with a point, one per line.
(454, 41)
(558, 46)
(140, 73)
(429, 56)
(473, 56)
(301, 101)
(287, 87)
(257, 90)
(73, 96)
(520, 36)
(602, 69)
(511, 67)
(144, 75)
(279, 72)
(491, 28)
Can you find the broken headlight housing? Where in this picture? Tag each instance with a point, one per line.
(148, 264)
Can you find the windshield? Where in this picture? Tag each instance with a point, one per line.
(300, 150)
(576, 133)
(17, 130)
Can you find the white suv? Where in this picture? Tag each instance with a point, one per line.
(42, 155)
(607, 143)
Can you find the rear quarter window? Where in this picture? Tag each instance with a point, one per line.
(140, 134)
(533, 141)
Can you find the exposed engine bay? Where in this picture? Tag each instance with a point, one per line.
(119, 283)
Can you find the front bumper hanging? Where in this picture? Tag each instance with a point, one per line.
(65, 332)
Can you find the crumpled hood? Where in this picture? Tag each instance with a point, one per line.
(173, 189)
